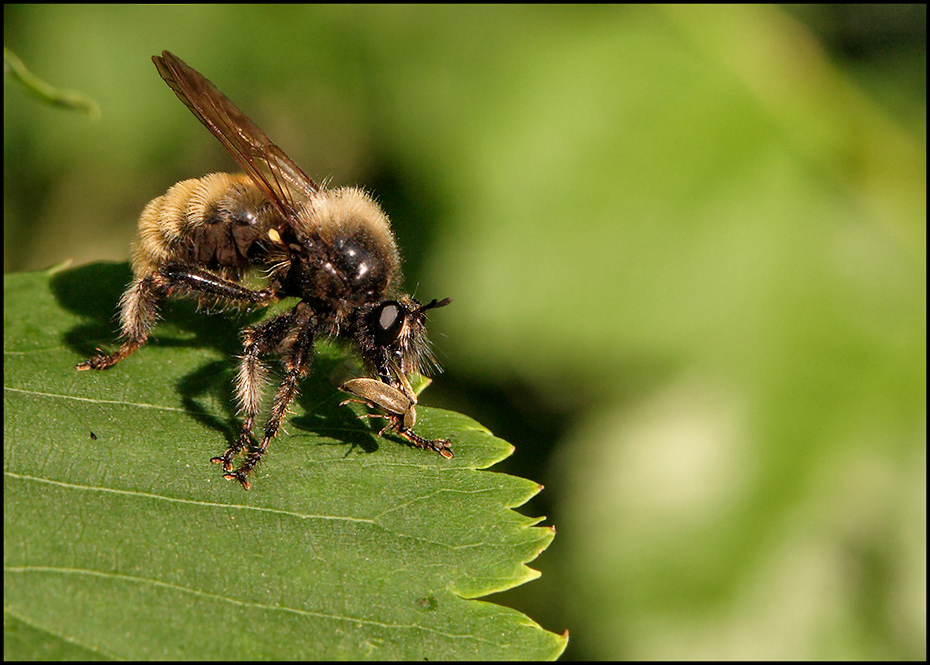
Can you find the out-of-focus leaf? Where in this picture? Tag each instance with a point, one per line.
(69, 99)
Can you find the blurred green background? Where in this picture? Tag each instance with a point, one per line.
(687, 249)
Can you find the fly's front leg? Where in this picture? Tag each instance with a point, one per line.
(256, 340)
(402, 423)
(141, 301)
(296, 358)
(400, 407)
(441, 446)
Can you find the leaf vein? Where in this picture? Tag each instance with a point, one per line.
(97, 401)
(210, 504)
(272, 608)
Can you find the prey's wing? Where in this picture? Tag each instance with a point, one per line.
(281, 180)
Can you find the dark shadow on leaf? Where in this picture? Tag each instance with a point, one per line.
(323, 415)
(94, 291)
(213, 378)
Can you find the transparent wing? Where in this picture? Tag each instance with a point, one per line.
(282, 181)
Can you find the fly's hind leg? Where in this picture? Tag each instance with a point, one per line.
(138, 313)
(139, 304)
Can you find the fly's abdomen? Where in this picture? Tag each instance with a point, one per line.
(219, 222)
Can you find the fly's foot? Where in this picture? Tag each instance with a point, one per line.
(100, 361)
(244, 443)
(240, 476)
(103, 360)
(225, 459)
(441, 446)
(242, 473)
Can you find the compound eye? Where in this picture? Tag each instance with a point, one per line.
(389, 319)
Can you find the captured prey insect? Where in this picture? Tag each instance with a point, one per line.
(398, 403)
(331, 248)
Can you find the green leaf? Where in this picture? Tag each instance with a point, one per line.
(122, 540)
